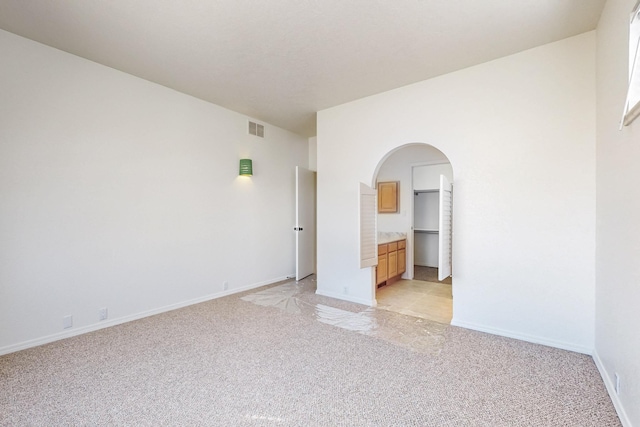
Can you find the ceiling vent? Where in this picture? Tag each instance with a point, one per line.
(256, 129)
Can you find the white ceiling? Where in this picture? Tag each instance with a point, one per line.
(280, 61)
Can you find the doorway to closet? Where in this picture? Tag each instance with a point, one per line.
(432, 221)
(418, 169)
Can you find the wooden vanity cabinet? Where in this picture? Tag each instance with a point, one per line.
(392, 260)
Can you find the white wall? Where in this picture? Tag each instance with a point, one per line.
(617, 340)
(520, 135)
(427, 177)
(120, 193)
(313, 150)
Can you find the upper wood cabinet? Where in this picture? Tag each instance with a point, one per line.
(388, 197)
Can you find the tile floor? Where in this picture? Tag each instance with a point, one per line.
(427, 300)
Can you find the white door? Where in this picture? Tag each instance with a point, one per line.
(305, 227)
(444, 229)
(368, 223)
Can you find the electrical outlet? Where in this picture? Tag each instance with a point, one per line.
(103, 313)
(225, 285)
(67, 322)
(616, 384)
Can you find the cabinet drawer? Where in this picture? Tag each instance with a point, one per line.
(402, 244)
(393, 246)
(382, 249)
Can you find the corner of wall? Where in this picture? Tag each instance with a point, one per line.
(611, 390)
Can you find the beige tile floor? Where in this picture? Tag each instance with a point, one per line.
(427, 300)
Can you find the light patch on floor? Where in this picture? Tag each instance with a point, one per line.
(426, 300)
(299, 298)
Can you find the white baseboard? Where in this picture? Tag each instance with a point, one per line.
(112, 322)
(611, 389)
(346, 297)
(524, 337)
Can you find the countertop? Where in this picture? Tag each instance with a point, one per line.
(390, 236)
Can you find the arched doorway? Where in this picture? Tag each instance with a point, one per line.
(413, 230)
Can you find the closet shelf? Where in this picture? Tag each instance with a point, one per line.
(425, 230)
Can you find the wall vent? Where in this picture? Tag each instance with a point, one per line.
(256, 129)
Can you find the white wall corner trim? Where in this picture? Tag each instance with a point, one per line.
(118, 321)
(608, 382)
(524, 337)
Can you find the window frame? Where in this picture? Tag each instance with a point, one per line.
(632, 103)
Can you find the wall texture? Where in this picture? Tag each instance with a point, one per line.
(120, 193)
(617, 340)
(520, 135)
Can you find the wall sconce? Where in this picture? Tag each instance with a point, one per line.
(246, 167)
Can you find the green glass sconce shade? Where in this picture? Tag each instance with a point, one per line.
(246, 167)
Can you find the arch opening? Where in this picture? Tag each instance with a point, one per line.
(405, 279)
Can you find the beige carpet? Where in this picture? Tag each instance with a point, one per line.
(232, 362)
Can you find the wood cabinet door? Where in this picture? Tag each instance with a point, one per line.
(402, 261)
(381, 270)
(393, 263)
(388, 197)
